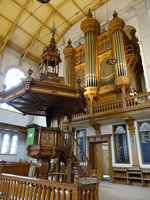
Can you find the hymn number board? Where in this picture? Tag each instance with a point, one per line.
(144, 131)
(121, 145)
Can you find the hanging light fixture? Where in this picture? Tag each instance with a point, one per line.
(43, 1)
(111, 61)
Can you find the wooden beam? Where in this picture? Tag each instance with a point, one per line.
(78, 7)
(22, 30)
(33, 15)
(30, 44)
(55, 10)
(12, 29)
(20, 129)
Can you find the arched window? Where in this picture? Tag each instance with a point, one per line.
(14, 144)
(14, 76)
(5, 144)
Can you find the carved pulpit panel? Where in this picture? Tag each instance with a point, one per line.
(47, 138)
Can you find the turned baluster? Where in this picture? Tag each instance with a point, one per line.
(16, 189)
(43, 193)
(52, 193)
(20, 190)
(31, 192)
(63, 195)
(27, 192)
(1, 187)
(76, 195)
(4, 187)
(96, 193)
(69, 195)
(39, 193)
(6, 190)
(47, 193)
(86, 195)
(83, 195)
(34, 192)
(23, 190)
(58, 194)
(13, 189)
(91, 194)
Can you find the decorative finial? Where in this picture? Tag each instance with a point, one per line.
(53, 30)
(103, 30)
(79, 44)
(30, 72)
(69, 43)
(76, 177)
(89, 15)
(115, 14)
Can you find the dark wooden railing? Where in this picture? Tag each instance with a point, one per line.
(17, 187)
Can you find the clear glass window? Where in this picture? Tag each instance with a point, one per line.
(14, 144)
(5, 144)
(14, 76)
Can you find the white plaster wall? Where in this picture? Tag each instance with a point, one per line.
(41, 121)
(15, 118)
(21, 150)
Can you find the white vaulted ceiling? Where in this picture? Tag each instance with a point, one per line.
(25, 25)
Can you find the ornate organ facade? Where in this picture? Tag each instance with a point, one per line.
(89, 62)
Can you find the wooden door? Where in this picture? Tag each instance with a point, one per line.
(105, 159)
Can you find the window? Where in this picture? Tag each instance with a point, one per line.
(121, 144)
(9, 142)
(5, 144)
(81, 138)
(144, 135)
(14, 144)
(14, 76)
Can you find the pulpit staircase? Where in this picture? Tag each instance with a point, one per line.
(81, 162)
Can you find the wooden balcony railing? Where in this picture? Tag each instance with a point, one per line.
(141, 101)
(107, 107)
(138, 101)
(17, 187)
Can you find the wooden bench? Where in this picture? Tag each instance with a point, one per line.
(17, 168)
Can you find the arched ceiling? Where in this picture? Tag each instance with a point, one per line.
(26, 24)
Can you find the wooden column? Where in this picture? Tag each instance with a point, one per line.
(110, 159)
(116, 29)
(57, 168)
(96, 127)
(135, 160)
(69, 168)
(69, 64)
(91, 28)
(69, 160)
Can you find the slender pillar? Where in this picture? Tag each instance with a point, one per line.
(116, 29)
(91, 27)
(69, 61)
(135, 160)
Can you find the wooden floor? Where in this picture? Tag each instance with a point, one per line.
(110, 191)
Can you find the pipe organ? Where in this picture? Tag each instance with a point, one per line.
(99, 77)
